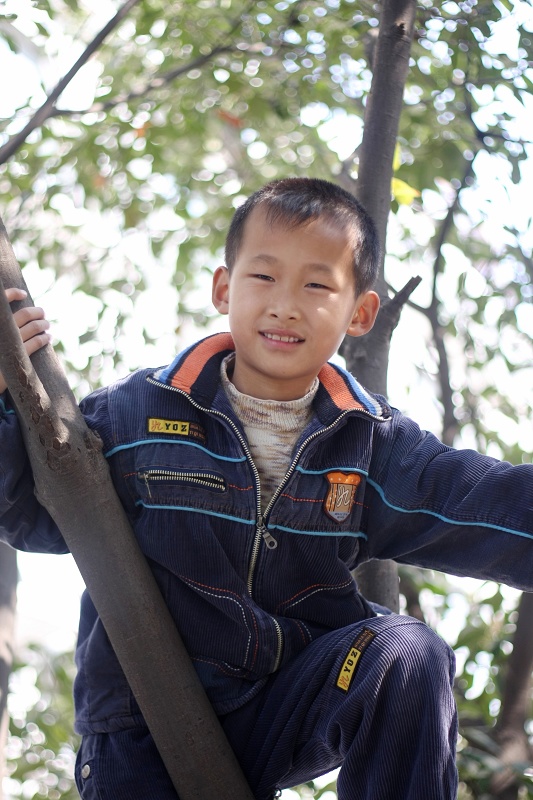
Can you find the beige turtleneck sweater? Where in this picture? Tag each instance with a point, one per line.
(272, 429)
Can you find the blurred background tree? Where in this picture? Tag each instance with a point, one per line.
(118, 193)
(40, 752)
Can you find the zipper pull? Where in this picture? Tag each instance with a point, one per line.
(270, 542)
(145, 476)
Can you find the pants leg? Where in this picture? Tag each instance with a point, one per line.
(391, 725)
(122, 766)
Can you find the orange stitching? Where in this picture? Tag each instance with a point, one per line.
(207, 586)
(302, 632)
(314, 586)
(302, 499)
(302, 591)
(313, 500)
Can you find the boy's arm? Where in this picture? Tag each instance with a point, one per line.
(452, 510)
(24, 523)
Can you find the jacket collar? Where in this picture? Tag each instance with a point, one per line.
(196, 371)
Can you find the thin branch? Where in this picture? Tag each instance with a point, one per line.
(386, 322)
(526, 258)
(395, 305)
(156, 83)
(48, 110)
(480, 135)
(449, 424)
(45, 110)
(421, 309)
(159, 81)
(446, 226)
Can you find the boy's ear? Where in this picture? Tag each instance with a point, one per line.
(220, 290)
(366, 311)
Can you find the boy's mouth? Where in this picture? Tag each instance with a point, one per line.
(276, 337)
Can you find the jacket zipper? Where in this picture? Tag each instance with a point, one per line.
(279, 651)
(207, 480)
(262, 531)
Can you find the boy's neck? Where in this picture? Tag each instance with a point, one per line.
(267, 390)
(245, 400)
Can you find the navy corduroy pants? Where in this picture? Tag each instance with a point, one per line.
(374, 698)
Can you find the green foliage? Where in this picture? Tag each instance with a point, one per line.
(41, 747)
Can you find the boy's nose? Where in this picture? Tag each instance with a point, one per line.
(283, 306)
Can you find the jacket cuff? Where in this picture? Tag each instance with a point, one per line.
(5, 405)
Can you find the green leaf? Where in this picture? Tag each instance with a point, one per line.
(403, 193)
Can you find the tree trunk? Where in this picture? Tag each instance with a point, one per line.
(8, 600)
(73, 483)
(367, 358)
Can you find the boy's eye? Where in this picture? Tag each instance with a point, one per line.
(264, 277)
(317, 286)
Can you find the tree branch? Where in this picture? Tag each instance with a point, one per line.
(449, 423)
(383, 109)
(44, 112)
(48, 109)
(516, 701)
(394, 307)
(156, 83)
(159, 81)
(367, 357)
(411, 592)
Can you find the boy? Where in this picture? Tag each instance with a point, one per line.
(256, 476)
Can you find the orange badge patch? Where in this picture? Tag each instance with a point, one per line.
(341, 494)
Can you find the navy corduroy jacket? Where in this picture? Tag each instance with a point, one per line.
(248, 591)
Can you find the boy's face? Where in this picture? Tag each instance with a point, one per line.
(290, 299)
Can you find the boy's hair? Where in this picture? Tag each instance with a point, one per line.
(297, 201)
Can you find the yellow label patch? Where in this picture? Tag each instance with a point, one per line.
(351, 661)
(176, 426)
(168, 426)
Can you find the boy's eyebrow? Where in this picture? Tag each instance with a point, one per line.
(319, 266)
(265, 257)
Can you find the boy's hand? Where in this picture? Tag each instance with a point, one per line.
(32, 326)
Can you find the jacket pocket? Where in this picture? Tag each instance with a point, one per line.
(155, 479)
